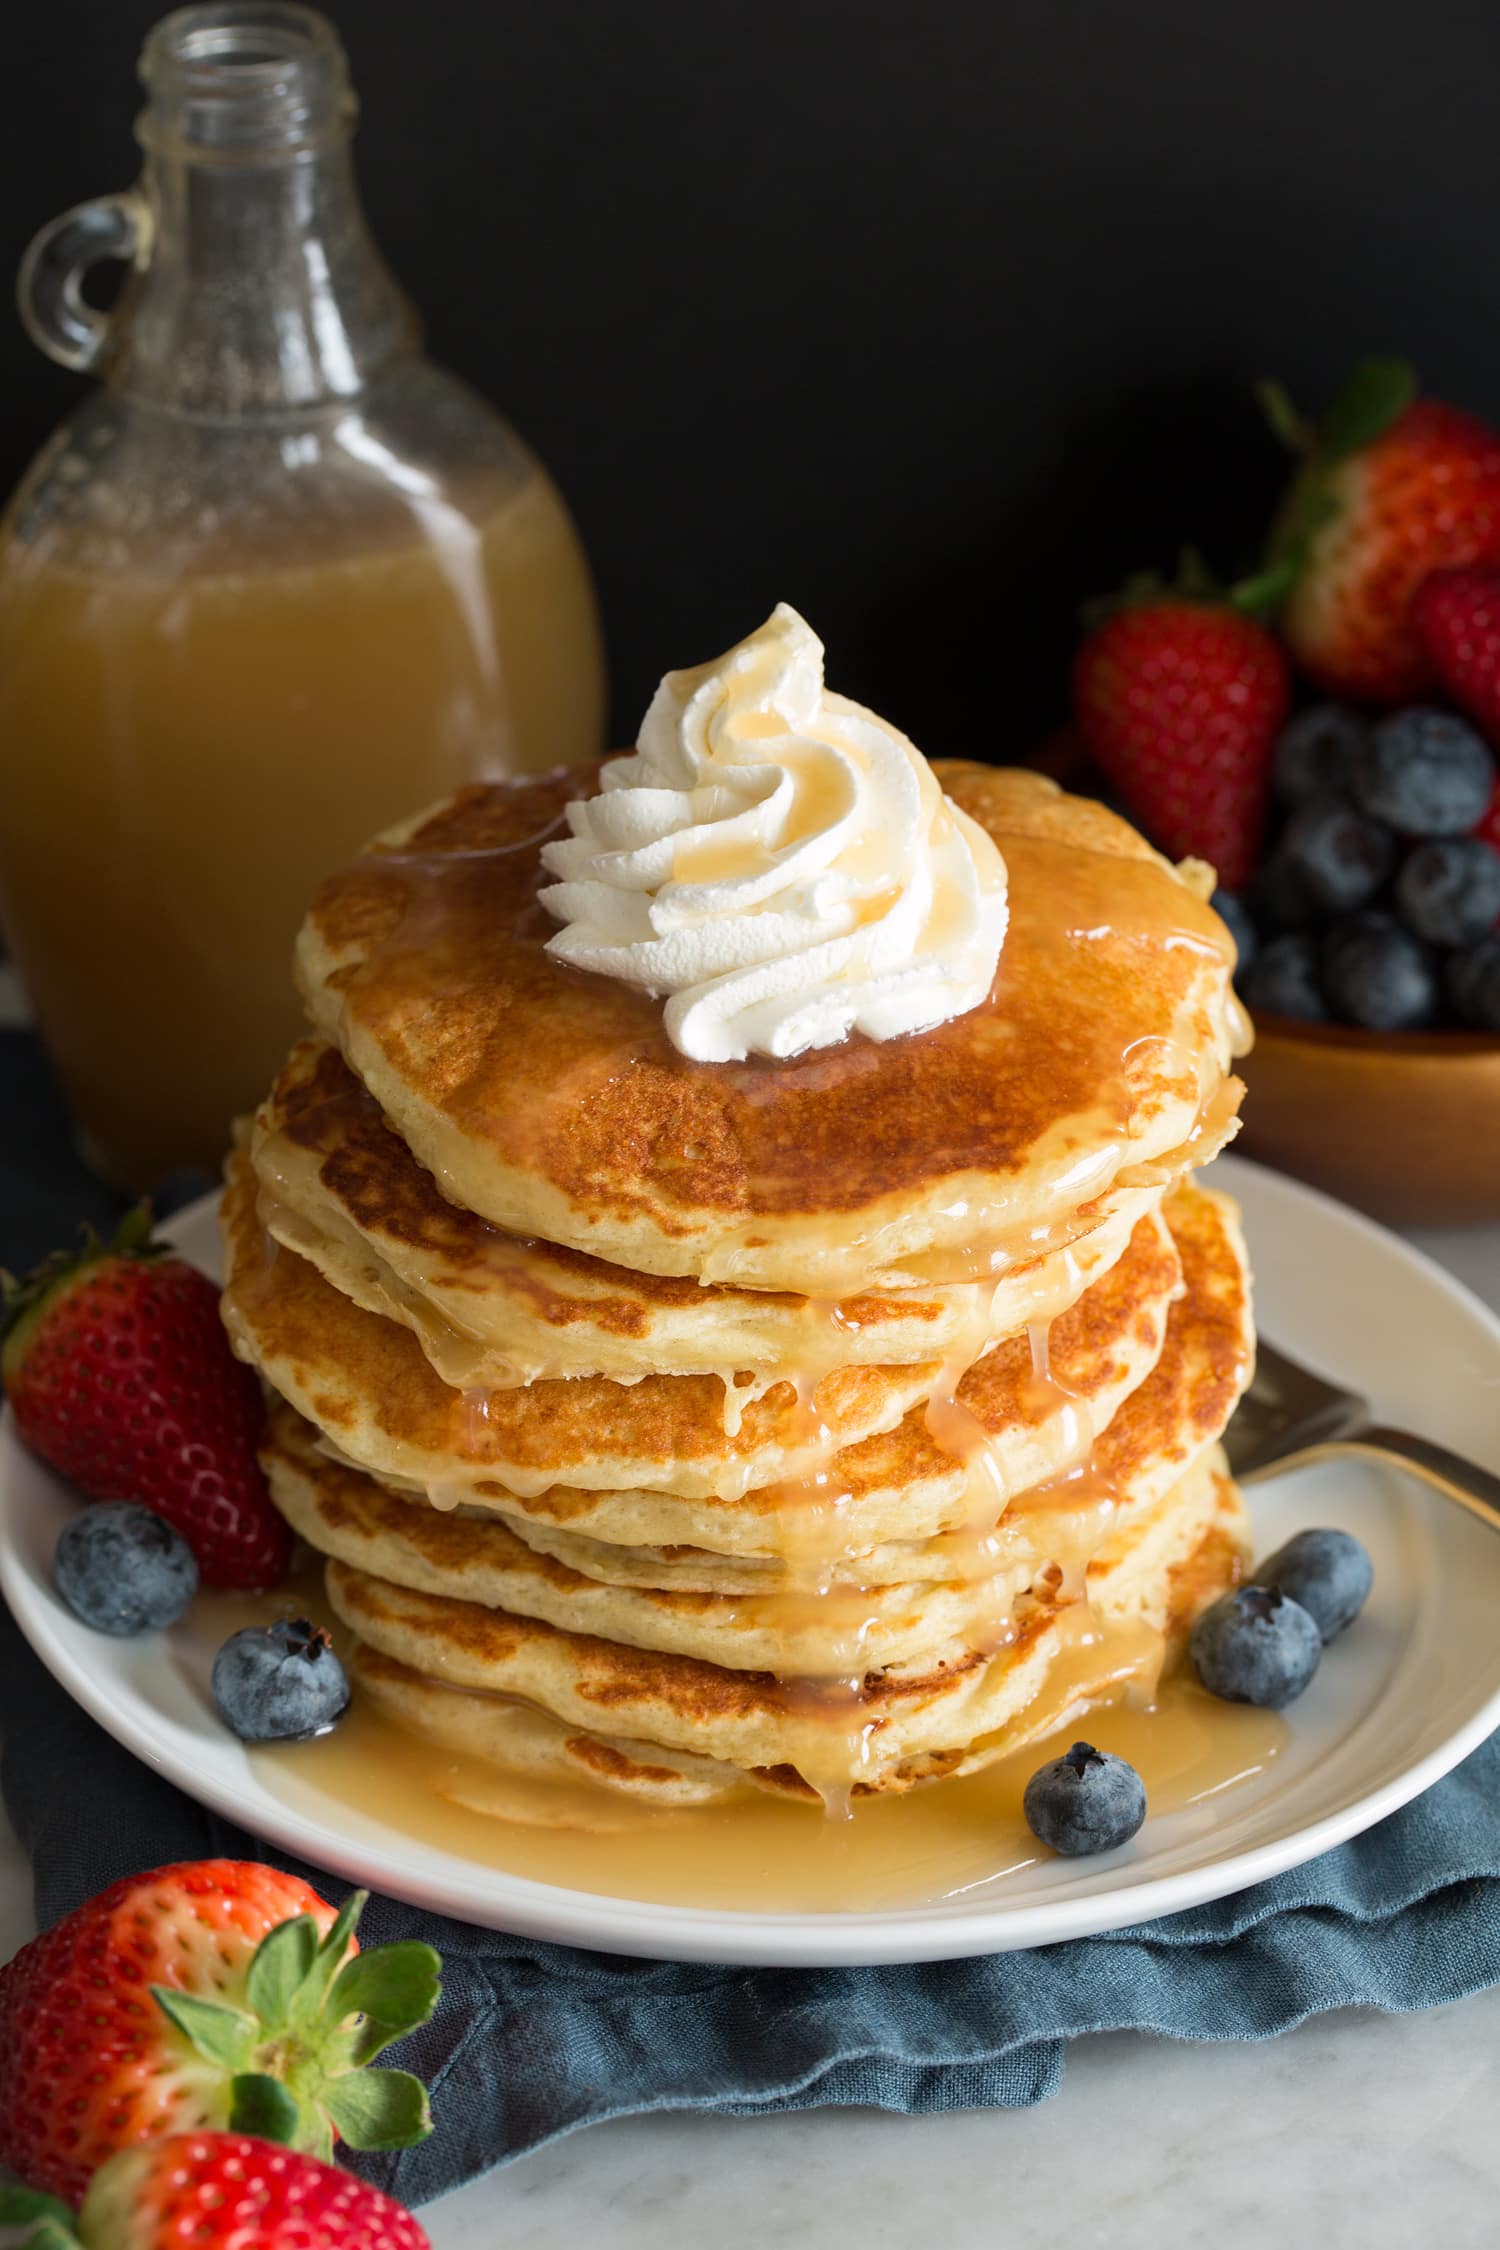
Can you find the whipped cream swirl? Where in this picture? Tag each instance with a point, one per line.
(779, 863)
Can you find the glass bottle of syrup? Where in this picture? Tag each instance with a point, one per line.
(278, 583)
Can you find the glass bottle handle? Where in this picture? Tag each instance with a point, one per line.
(49, 288)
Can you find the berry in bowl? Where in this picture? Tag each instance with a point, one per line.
(1325, 734)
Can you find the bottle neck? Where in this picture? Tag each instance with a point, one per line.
(256, 287)
(261, 291)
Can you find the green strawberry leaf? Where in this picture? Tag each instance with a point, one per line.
(307, 2001)
(1294, 430)
(379, 2109)
(395, 1987)
(336, 1944)
(282, 1960)
(19, 2206)
(262, 2106)
(221, 2035)
(1377, 391)
(50, 2234)
(1262, 595)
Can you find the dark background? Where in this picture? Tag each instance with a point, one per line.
(932, 318)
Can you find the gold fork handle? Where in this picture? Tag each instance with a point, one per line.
(1473, 1488)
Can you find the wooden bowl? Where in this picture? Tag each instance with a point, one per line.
(1405, 1124)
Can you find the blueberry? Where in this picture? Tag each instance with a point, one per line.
(1337, 856)
(123, 1569)
(1256, 1645)
(1087, 1801)
(1235, 916)
(1448, 891)
(280, 1683)
(1283, 979)
(1315, 751)
(1425, 772)
(1327, 1573)
(1376, 974)
(1472, 982)
(1277, 900)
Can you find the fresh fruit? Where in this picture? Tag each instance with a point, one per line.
(120, 1375)
(1315, 752)
(1337, 855)
(123, 1569)
(1257, 1646)
(1376, 974)
(1392, 488)
(1283, 979)
(280, 1683)
(1448, 890)
(1487, 827)
(1472, 983)
(1235, 916)
(1457, 614)
(1327, 1573)
(208, 1994)
(216, 2191)
(1086, 1801)
(1179, 701)
(1425, 772)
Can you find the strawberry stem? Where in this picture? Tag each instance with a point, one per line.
(133, 1236)
(314, 2016)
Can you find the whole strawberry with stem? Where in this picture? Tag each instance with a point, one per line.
(216, 2191)
(214, 1993)
(1179, 693)
(1391, 488)
(120, 1375)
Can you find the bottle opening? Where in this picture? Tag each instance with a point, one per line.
(242, 75)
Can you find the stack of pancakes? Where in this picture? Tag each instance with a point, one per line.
(825, 1425)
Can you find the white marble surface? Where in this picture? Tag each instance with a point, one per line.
(1357, 2130)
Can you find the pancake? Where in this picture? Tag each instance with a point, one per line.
(889, 1495)
(1182, 1408)
(798, 1633)
(563, 1447)
(906, 1601)
(493, 1309)
(521, 1740)
(913, 1722)
(552, 1103)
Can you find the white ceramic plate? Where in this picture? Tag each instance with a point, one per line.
(1406, 1696)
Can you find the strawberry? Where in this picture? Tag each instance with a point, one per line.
(119, 1374)
(216, 2191)
(213, 1993)
(1392, 488)
(1457, 615)
(1179, 698)
(1488, 830)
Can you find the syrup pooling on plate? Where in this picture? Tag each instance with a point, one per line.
(761, 1854)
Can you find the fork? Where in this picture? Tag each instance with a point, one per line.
(1290, 1417)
